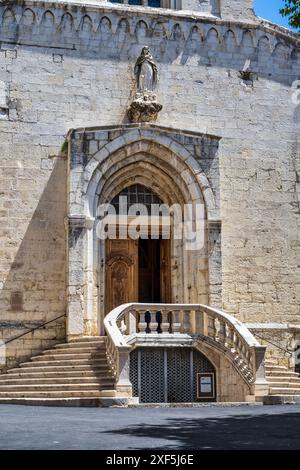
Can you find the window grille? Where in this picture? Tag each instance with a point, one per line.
(137, 194)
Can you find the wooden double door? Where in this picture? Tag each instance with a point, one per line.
(137, 271)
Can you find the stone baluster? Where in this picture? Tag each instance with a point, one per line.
(176, 324)
(142, 325)
(234, 342)
(186, 323)
(228, 336)
(123, 326)
(217, 327)
(201, 322)
(193, 315)
(153, 322)
(222, 333)
(211, 327)
(111, 355)
(165, 324)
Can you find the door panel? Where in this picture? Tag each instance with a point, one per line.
(121, 273)
(137, 272)
(149, 271)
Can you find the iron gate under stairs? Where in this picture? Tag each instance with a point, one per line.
(171, 375)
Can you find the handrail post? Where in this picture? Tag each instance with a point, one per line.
(123, 385)
(260, 386)
(132, 323)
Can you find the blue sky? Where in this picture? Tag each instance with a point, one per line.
(269, 9)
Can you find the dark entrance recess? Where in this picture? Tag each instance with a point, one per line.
(149, 271)
(153, 274)
(169, 375)
(149, 276)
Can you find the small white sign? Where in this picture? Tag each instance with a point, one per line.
(205, 385)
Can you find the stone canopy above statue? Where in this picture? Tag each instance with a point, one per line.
(145, 107)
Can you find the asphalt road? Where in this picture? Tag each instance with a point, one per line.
(243, 427)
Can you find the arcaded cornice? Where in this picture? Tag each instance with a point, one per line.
(161, 14)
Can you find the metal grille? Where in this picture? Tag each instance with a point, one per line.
(133, 372)
(150, 382)
(160, 375)
(179, 376)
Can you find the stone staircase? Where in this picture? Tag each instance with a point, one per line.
(77, 374)
(284, 384)
(74, 374)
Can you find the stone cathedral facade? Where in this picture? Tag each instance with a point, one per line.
(169, 101)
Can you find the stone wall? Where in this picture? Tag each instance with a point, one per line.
(229, 381)
(237, 9)
(66, 66)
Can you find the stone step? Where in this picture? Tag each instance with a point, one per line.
(55, 387)
(66, 357)
(51, 394)
(82, 344)
(271, 361)
(58, 380)
(37, 372)
(37, 368)
(67, 401)
(79, 350)
(65, 363)
(87, 339)
(74, 349)
(70, 374)
(281, 399)
(284, 391)
(287, 379)
(269, 367)
(285, 384)
(285, 373)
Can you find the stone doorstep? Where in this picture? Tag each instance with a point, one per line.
(120, 402)
(113, 402)
(281, 400)
(195, 404)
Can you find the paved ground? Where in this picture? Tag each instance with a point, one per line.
(244, 427)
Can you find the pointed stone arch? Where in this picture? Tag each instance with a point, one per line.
(145, 142)
(154, 157)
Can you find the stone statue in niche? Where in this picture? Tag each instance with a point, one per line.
(145, 71)
(145, 107)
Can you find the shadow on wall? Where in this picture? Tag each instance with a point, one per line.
(239, 432)
(34, 289)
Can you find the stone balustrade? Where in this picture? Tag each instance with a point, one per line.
(155, 322)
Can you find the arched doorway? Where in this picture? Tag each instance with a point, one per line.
(104, 162)
(138, 269)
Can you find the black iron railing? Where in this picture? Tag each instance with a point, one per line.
(33, 329)
(287, 351)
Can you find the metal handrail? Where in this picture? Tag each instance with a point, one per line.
(288, 351)
(33, 329)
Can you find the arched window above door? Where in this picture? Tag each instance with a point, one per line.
(137, 194)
